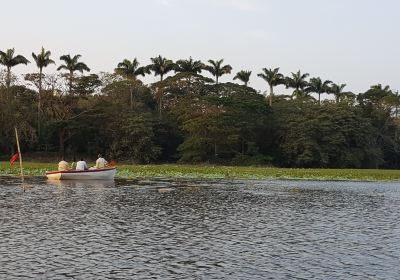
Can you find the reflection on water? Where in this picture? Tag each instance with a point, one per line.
(81, 184)
(185, 229)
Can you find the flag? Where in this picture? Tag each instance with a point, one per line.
(14, 158)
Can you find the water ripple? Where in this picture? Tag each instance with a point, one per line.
(187, 229)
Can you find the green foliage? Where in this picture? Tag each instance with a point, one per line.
(189, 66)
(316, 85)
(72, 65)
(221, 124)
(219, 172)
(335, 135)
(87, 85)
(217, 69)
(186, 117)
(133, 139)
(161, 66)
(42, 59)
(131, 69)
(9, 60)
(298, 82)
(273, 78)
(243, 76)
(340, 95)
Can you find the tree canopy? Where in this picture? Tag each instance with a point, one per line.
(189, 117)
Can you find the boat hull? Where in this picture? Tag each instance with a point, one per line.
(95, 174)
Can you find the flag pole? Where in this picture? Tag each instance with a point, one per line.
(19, 153)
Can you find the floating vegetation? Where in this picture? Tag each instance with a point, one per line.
(219, 172)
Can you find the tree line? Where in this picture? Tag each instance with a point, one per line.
(188, 117)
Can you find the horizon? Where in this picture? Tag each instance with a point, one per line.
(251, 38)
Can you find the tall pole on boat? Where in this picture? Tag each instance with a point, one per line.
(19, 153)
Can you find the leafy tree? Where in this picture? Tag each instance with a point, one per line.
(118, 94)
(377, 95)
(318, 86)
(243, 76)
(394, 100)
(273, 78)
(221, 124)
(133, 139)
(298, 82)
(217, 69)
(42, 60)
(334, 135)
(9, 60)
(17, 112)
(87, 85)
(72, 65)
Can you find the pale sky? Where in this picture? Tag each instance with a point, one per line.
(356, 42)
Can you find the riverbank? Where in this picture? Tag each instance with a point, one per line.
(218, 172)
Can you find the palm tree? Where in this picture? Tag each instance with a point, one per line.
(189, 66)
(298, 82)
(161, 66)
(338, 91)
(319, 87)
(130, 70)
(42, 60)
(217, 69)
(243, 76)
(273, 78)
(72, 65)
(9, 60)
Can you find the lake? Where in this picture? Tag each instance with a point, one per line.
(199, 229)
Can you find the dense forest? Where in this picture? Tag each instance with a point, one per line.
(189, 117)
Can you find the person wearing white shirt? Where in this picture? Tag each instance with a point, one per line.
(81, 165)
(101, 162)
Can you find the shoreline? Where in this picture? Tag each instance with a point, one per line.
(183, 171)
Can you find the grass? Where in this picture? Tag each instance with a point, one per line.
(218, 172)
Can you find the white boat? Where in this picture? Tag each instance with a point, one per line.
(91, 174)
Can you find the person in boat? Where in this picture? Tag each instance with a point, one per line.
(73, 164)
(63, 165)
(81, 165)
(101, 162)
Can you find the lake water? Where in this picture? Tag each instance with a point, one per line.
(164, 229)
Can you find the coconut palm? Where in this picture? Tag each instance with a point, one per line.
(217, 69)
(243, 76)
(161, 66)
(8, 59)
(319, 87)
(42, 60)
(130, 70)
(189, 66)
(72, 65)
(273, 78)
(298, 82)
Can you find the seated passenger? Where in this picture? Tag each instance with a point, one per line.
(63, 165)
(81, 165)
(73, 164)
(101, 162)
